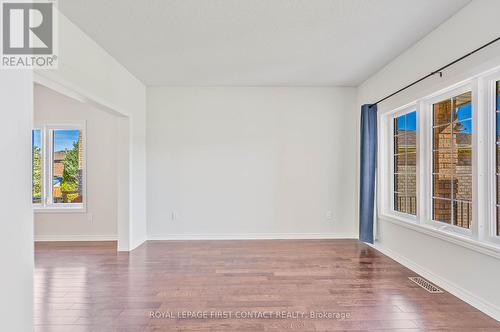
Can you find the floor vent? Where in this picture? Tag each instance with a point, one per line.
(425, 285)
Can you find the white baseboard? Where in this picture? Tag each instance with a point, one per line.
(452, 288)
(40, 238)
(253, 236)
(137, 243)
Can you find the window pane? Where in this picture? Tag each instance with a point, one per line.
(411, 193)
(399, 124)
(442, 112)
(67, 166)
(498, 126)
(452, 160)
(400, 202)
(411, 184)
(498, 158)
(411, 205)
(411, 132)
(399, 144)
(462, 107)
(442, 162)
(36, 145)
(462, 133)
(442, 185)
(463, 159)
(400, 163)
(462, 187)
(442, 137)
(411, 141)
(498, 95)
(411, 121)
(441, 210)
(462, 212)
(400, 183)
(411, 162)
(498, 188)
(498, 221)
(405, 163)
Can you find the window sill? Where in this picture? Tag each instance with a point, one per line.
(490, 249)
(60, 209)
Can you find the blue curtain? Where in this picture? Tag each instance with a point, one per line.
(367, 177)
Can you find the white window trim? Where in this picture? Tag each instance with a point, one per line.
(481, 236)
(47, 205)
(488, 87)
(426, 125)
(400, 112)
(385, 174)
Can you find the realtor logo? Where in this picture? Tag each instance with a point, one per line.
(28, 35)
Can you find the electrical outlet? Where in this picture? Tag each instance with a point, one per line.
(174, 216)
(90, 217)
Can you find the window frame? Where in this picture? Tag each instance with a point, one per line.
(397, 113)
(48, 205)
(427, 106)
(481, 237)
(490, 104)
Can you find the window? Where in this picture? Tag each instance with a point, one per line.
(452, 190)
(37, 166)
(405, 163)
(452, 161)
(497, 168)
(58, 166)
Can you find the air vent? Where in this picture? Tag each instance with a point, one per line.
(425, 285)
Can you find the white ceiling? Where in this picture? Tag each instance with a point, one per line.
(257, 42)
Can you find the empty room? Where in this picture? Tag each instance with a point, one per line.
(250, 165)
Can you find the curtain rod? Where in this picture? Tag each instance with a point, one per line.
(437, 71)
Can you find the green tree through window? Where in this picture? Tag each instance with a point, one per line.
(37, 175)
(71, 176)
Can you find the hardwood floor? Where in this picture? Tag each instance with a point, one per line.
(88, 286)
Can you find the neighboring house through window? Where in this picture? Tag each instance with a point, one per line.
(405, 163)
(452, 161)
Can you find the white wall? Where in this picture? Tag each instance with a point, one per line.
(470, 274)
(100, 220)
(85, 68)
(16, 216)
(250, 162)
